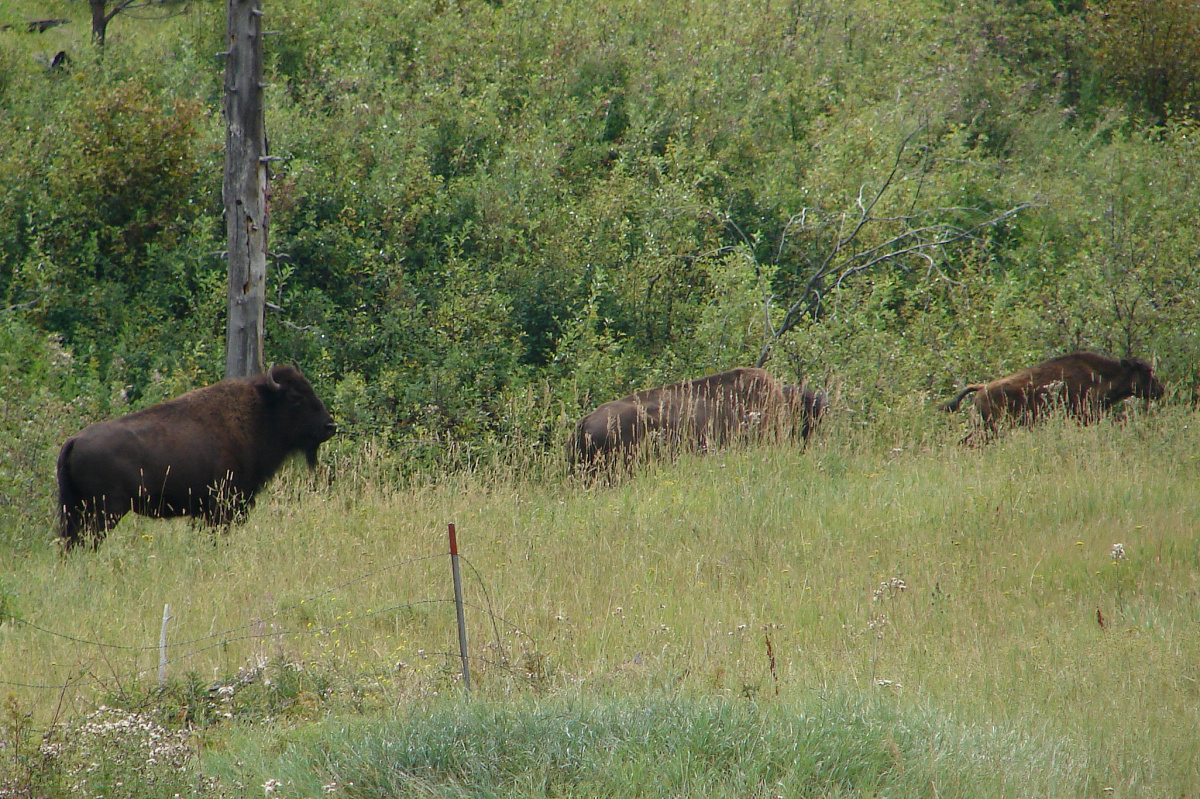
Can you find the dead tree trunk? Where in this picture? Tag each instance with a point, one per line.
(101, 16)
(246, 189)
(100, 20)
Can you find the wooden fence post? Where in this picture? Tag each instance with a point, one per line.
(162, 649)
(458, 604)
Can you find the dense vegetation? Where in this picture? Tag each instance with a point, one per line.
(489, 215)
(487, 210)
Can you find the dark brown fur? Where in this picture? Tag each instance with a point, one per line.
(1084, 383)
(706, 413)
(806, 408)
(206, 453)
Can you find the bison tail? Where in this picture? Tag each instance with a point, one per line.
(576, 446)
(68, 498)
(953, 404)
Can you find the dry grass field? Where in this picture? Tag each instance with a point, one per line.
(1041, 591)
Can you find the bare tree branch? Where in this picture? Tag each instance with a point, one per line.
(22, 305)
(840, 259)
(288, 323)
(102, 14)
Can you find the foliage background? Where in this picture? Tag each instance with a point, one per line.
(490, 216)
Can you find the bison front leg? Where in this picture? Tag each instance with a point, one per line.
(224, 515)
(226, 507)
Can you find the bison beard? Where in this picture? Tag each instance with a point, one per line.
(206, 453)
(706, 413)
(1084, 383)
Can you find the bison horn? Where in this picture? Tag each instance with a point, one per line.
(271, 378)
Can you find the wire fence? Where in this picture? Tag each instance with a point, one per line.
(256, 629)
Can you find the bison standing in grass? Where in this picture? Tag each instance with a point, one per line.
(206, 453)
(1084, 383)
(704, 414)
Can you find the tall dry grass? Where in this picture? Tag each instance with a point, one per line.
(881, 564)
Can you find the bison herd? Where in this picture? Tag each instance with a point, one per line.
(208, 452)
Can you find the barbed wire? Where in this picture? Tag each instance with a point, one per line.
(224, 633)
(98, 681)
(235, 634)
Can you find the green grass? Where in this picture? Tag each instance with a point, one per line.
(762, 587)
(654, 746)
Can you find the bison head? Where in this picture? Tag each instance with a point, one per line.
(806, 407)
(1142, 382)
(299, 415)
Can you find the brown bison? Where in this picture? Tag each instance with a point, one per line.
(1084, 383)
(205, 453)
(706, 413)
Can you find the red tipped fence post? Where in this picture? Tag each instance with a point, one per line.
(458, 604)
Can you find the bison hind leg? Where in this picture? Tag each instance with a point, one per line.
(984, 430)
(87, 523)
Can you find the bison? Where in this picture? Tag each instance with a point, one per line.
(1085, 383)
(706, 413)
(205, 453)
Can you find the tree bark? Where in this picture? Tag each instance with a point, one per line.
(101, 16)
(99, 20)
(246, 189)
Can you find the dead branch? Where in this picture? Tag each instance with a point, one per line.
(920, 239)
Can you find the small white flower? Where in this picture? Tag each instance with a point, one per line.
(889, 588)
(1118, 552)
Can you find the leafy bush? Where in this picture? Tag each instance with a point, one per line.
(534, 203)
(1147, 50)
(44, 397)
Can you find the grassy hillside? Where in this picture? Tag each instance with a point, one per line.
(488, 217)
(969, 605)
